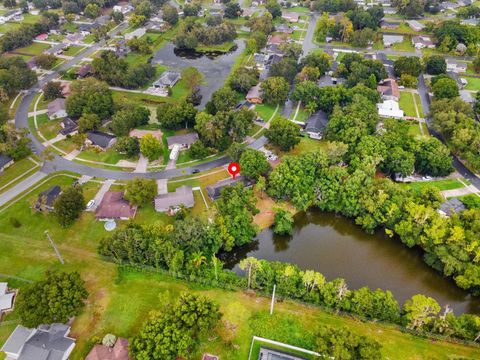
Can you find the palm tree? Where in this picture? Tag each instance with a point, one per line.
(198, 259)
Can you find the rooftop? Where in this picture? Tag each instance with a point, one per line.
(114, 206)
(182, 196)
(185, 139)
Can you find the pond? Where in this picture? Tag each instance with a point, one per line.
(214, 66)
(336, 247)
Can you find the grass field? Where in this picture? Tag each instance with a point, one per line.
(473, 83)
(419, 105)
(72, 50)
(446, 184)
(405, 45)
(33, 49)
(406, 103)
(266, 111)
(48, 128)
(119, 303)
(109, 156)
(17, 171)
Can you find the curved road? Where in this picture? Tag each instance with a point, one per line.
(59, 163)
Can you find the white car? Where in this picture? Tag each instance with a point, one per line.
(90, 204)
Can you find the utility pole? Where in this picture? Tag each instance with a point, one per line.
(54, 247)
(273, 299)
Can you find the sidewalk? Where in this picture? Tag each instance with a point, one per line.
(141, 165)
(470, 189)
(22, 186)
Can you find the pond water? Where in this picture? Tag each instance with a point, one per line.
(214, 66)
(336, 247)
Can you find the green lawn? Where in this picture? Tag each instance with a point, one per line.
(48, 128)
(297, 34)
(473, 83)
(18, 171)
(406, 103)
(72, 50)
(33, 49)
(405, 45)
(30, 18)
(66, 145)
(447, 184)
(419, 105)
(119, 303)
(266, 111)
(109, 156)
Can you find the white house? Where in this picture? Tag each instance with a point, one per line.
(390, 109)
(456, 66)
(389, 40)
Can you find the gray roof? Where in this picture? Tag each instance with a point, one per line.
(6, 299)
(452, 206)
(182, 196)
(100, 139)
(168, 78)
(47, 342)
(56, 105)
(49, 196)
(56, 48)
(185, 139)
(214, 190)
(4, 160)
(317, 122)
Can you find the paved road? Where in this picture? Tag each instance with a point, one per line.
(22, 186)
(457, 164)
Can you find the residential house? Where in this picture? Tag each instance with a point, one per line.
(456, 66)
(183, 141)
(102, 21)
(114, 207)
(291, 17)
(422, 42)
(69, 126)
(470, 22)
(284, 28)
(66, 89)
(448, 5)
(6, 298)
(167, 79)
(277, 39)
(389, 40)
(46, 342)
(86, 28)
(388, 90)
(31, 63)
(100, 140)
(56, 109)
(139, 134)
(136, 33)
(83, 71)
(388, 10)
(260, 60)
(316, 124)
(214, 190)
(171, 202)
(42, 37)
(451, 206)
(119, 351)
(56, 49)
(415, 25)
(72, 39)
(254, 95)
(390, 109)
(5, 162)
(124, 9)
(46, 199)
(389, 24)
(10, 15)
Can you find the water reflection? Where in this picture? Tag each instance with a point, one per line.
(336, 247)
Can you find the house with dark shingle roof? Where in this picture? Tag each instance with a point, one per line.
(84, 71)
(451, 206)
(316, 124)
(46, 199)
(46, 342)
(5, 162)
(168, 78)
(100, 139)
(214, 190)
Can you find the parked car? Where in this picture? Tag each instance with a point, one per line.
(90, 204)
(195, 171)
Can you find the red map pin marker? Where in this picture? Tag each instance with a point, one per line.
(234, 169)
